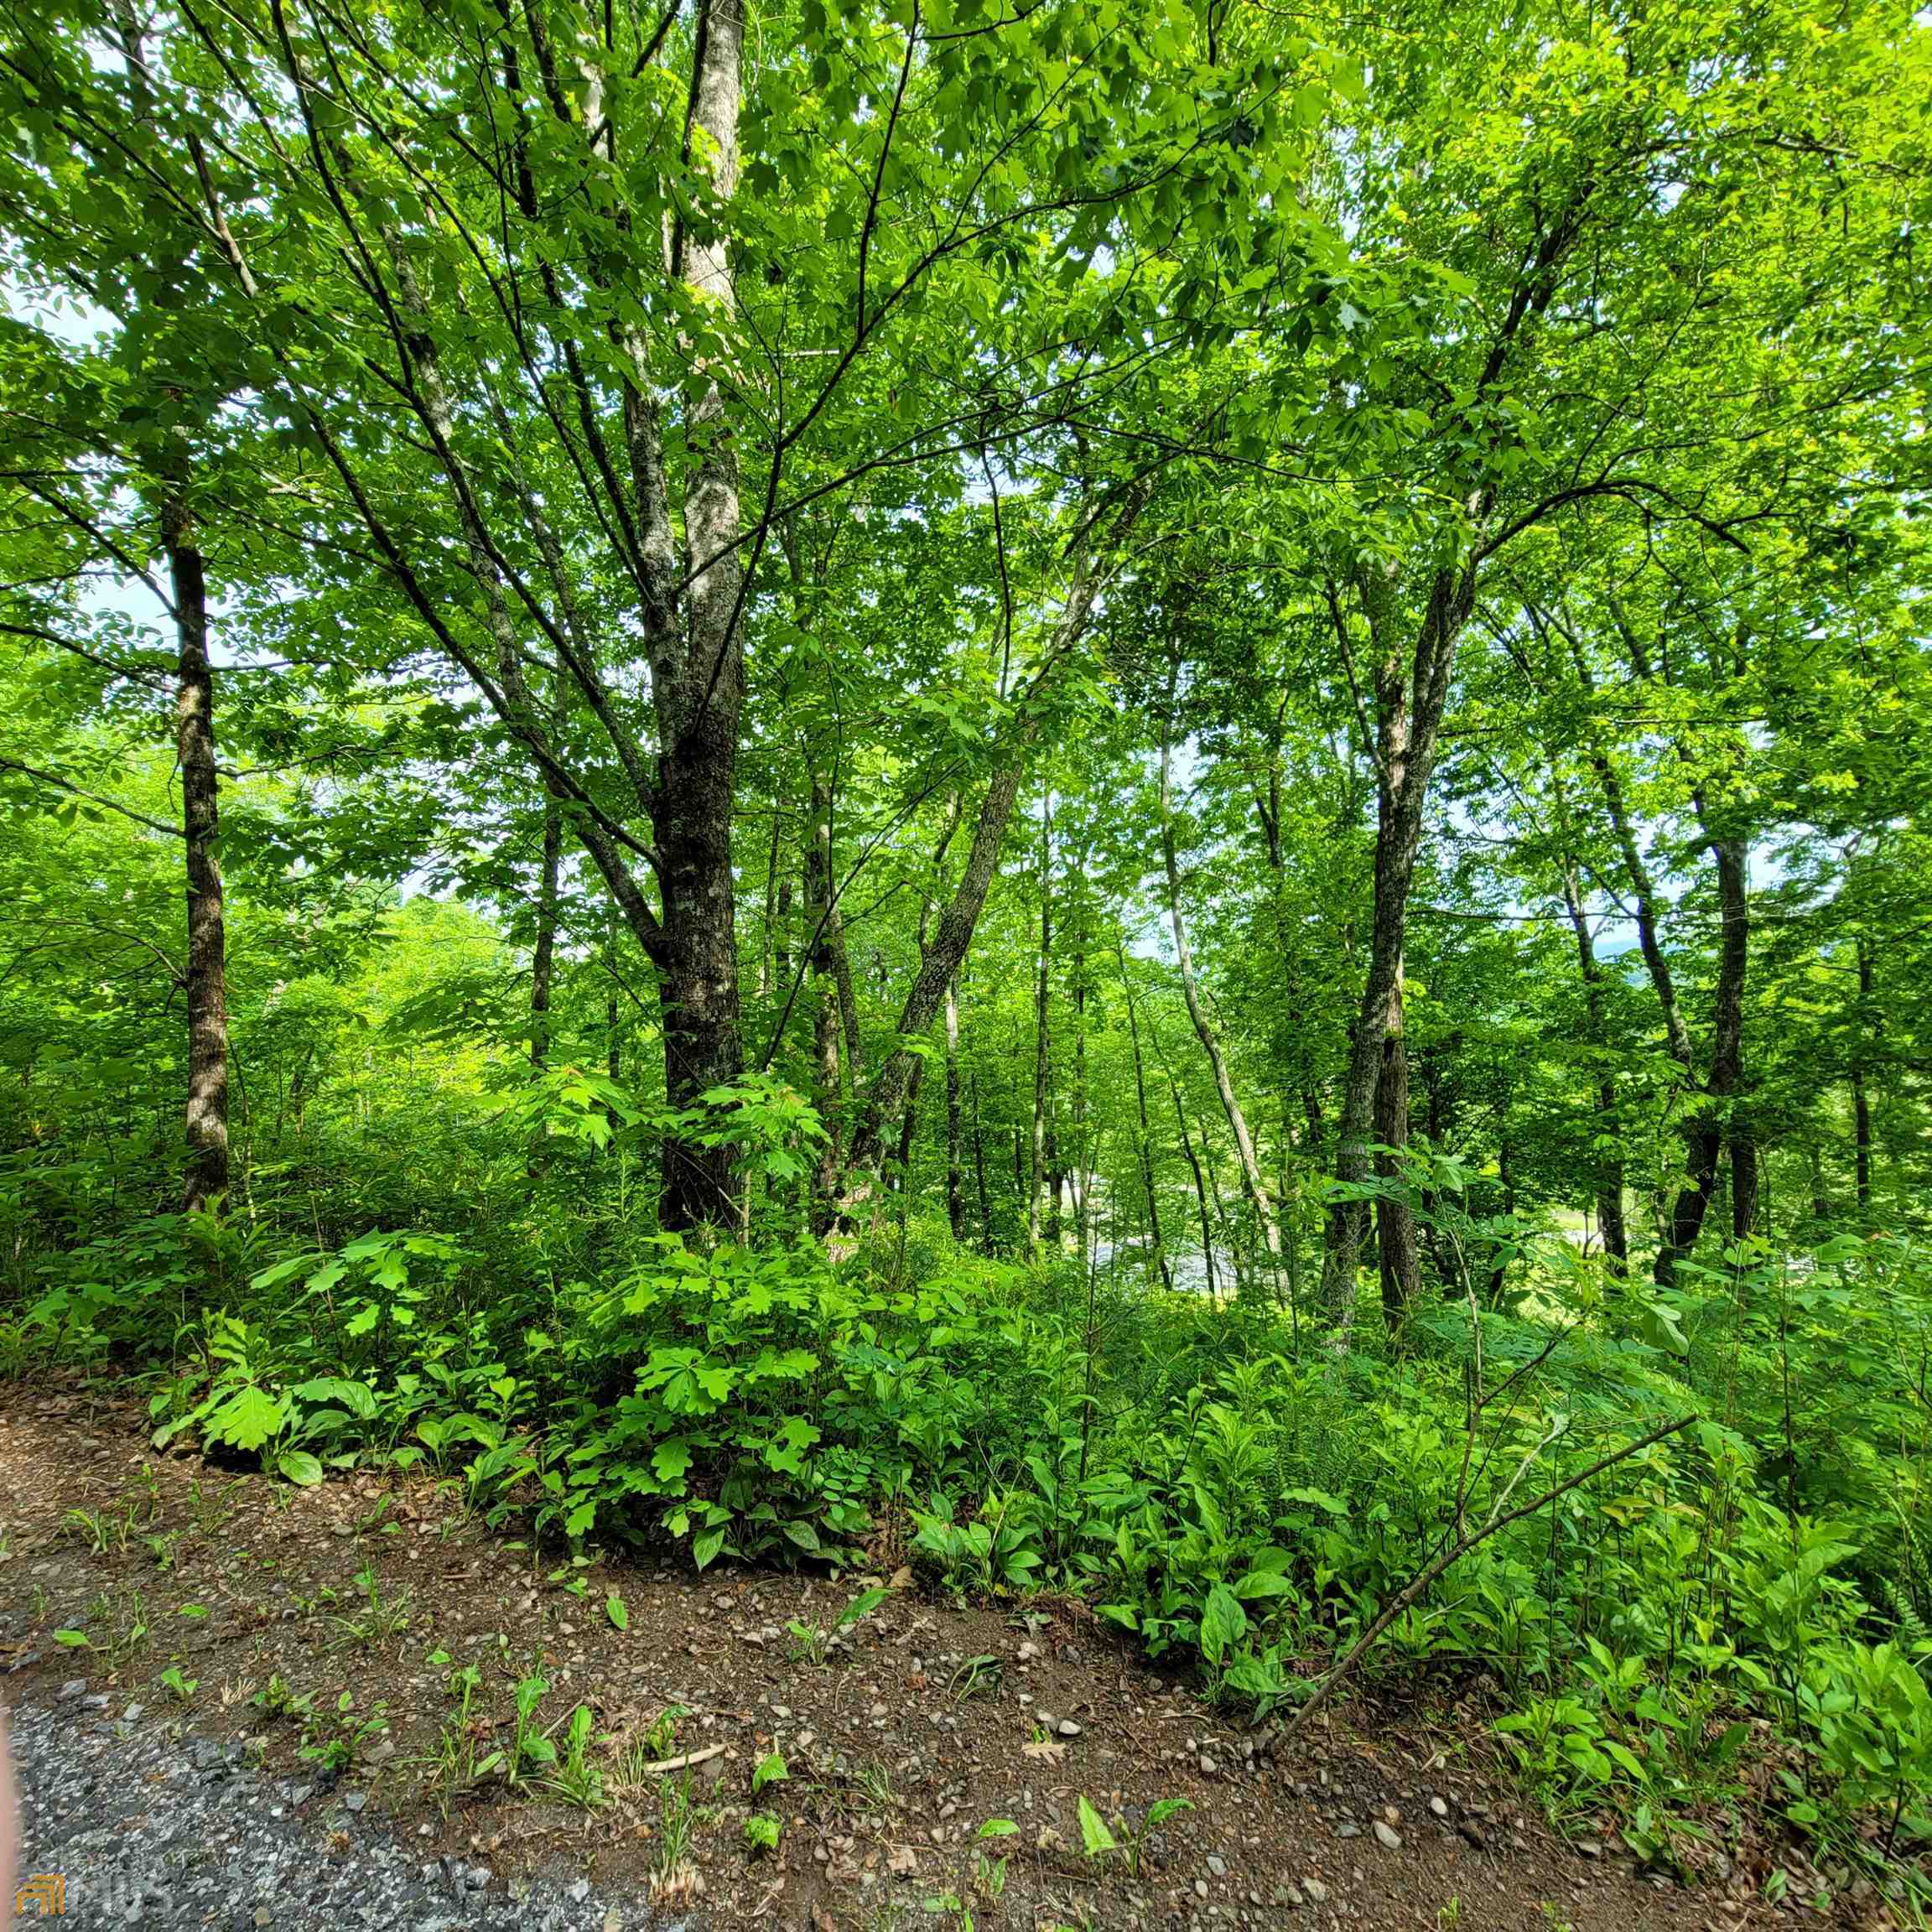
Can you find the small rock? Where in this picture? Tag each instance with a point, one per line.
(1317, 1891)
(1387, 1836)
(1201, 1888)
(580, 1891)
(132, 1714)
(354, 1800)
(1290, 1895)
(1219, 1867)
(74, 1687)
(1348, 1829)
(1589, 1848)
(1439, 1806)
(98, 1702)
(1208, 1767)
(1067, 1728)
(1027, 1653)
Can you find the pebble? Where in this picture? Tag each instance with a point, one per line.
(1317, 1891)
(1219, 1867)
(74, 1687)
(1439, 1806)
(165, 1822)
(1387, 1836)
(131, 1715)
(1067, 1728)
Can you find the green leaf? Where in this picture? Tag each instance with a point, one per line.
(246, 1420)
(300, 1467)
(1095, 1839)
(1223, 1623)
(615, 1610)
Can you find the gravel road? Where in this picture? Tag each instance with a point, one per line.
(148, 1824)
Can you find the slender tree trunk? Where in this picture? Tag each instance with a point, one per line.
(827, 1094)
(1860, 1098)
(1146, 1140)
(1036, 1171)
(1251, 1178)
(979, 1168)
(543, 955)
(955, 1180)
(1199, 1184)
(767, 949)
(1399, 1265)
(1609, 1162)
(1703, 1132)
(207, 1107)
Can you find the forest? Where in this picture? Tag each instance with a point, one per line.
(1124, 795)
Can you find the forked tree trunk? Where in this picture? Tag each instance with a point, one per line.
(207, 984)
(1410, 700)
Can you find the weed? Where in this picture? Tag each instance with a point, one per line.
(181, 1688)
(813, 1643)
(103, 1533)
(1098, 1841)
(336, 1743)
(381, 1617)
(672, 1875)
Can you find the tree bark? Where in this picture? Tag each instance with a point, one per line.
(206, 1118)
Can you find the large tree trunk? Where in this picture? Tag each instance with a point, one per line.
(700, 695)
(207, 981)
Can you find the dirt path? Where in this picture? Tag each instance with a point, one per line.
(245, 1784)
